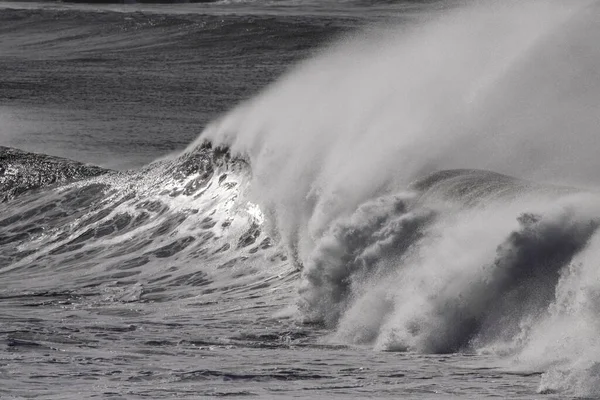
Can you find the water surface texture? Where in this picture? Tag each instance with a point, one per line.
(300, 199)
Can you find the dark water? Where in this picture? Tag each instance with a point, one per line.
(177, 220)
(121, 88)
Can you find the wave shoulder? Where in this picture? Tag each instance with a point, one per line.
(22, 171)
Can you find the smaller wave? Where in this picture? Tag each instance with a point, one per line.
(21, 172)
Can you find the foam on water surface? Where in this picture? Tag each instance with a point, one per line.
(411, 212)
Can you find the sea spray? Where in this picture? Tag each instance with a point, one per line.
(368, 116)
(371, 241)
(474, 261)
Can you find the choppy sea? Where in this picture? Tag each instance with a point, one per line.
(299, 199)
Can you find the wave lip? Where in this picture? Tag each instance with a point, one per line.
(472, 187)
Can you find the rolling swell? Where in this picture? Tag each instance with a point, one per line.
(102, 71)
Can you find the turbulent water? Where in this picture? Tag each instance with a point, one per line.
(322, 199)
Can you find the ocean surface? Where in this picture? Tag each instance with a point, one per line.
(300, 199)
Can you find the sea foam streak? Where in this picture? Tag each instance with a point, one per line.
(463, 260)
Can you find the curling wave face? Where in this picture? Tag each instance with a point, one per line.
(122, 229)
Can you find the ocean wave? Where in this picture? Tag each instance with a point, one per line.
(102, 34)
(377, 179)
(385, 164)
(21, 172)
(140, 234)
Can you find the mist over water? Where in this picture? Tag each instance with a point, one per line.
(345, 150)
(411, 212)
(481, 87)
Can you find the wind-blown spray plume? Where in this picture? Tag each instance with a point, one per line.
(461, 259)
(371, 115)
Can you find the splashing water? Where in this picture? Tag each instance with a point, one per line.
(344, 151)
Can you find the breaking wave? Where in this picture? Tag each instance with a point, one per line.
(377, 179)
(372, 164)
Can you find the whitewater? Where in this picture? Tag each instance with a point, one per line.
(410, 210)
